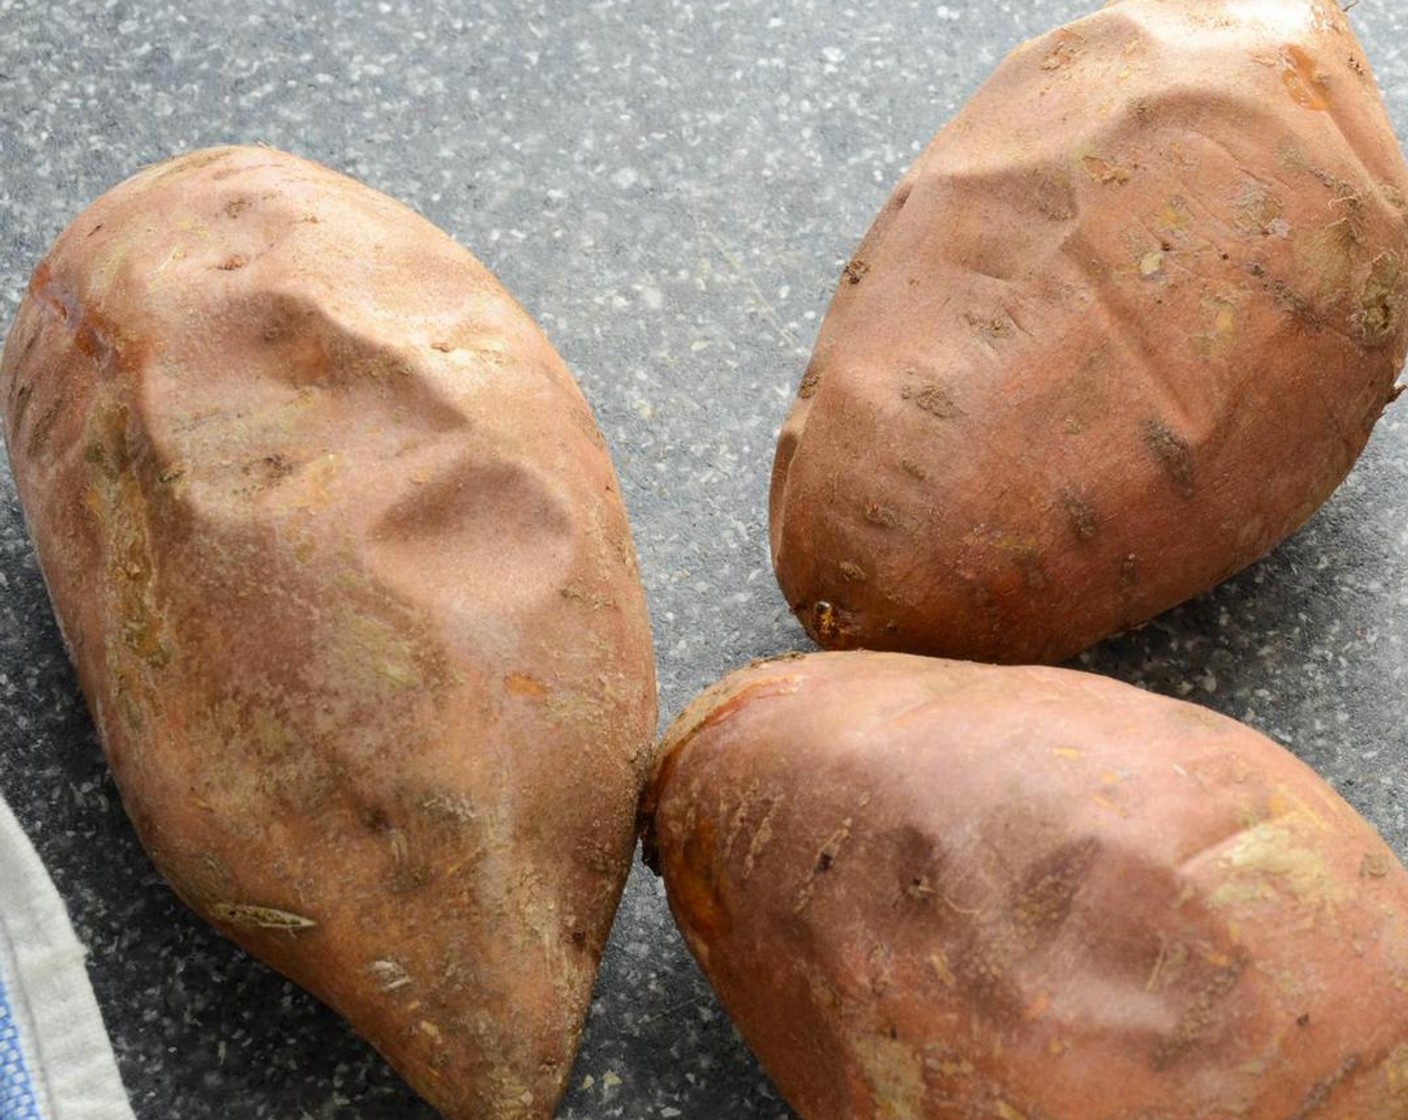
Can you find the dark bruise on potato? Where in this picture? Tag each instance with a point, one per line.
(1122, 327)
(339, 555)
(930, 890)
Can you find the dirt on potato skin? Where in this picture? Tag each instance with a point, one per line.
(1157, 262)
(935, 890)
(340, 558)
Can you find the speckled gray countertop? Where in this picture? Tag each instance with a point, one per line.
(671, 188)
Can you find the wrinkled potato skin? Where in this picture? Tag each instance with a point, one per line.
(1121, 328)
(932, 890)
(339, 556)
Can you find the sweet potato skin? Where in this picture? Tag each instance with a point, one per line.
(1122, 327)
(338, 553)
(940, 890)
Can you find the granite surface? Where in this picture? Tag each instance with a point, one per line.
(671, 188)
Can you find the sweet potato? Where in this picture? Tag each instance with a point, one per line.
(931, 890)
(339, 556)
(1121, 328)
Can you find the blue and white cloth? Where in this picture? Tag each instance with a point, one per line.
(56, 1062)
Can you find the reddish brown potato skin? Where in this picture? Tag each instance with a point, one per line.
(339, 555)
(1121, 328)
(932, 890)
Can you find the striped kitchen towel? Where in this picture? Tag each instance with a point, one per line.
(55, 1059)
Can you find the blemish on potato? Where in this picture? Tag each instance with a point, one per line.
(1257, 210)
(450, 808)
(593, 600)
(1174, 455)
(1287, 299)
(389, 975)
(1201, 1015)
(992, 328)
(260, 917)
(1307, 85)
(1080, 515)
(1055, 196)
(825, 860)
(525, 685)
(1219, 336)
(1396, 1069)
(811, 381)
(894, 1074)
(761, 838)
(93, 334)
(270, 469)
(431, 1030)
(43, 428)
(882, 517)
(919, 889)
(1174, 217)
(1168, 967)
(932, 398)
(21, 394)
(852, 572)
(950, 1067)
(938, 960)
(1028, 561)
(204, 878)
(1320, 1094)
(1102, 170)
(1270, 858)
(1066, 51)
(737, 818)
(377, 651)
(982, 972)
(855, 270)
(185, 164)
(1291, 155)
(1380, 304)
(1049, 889)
